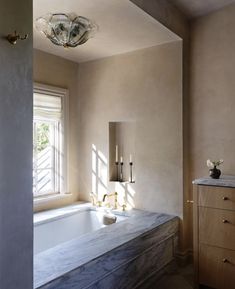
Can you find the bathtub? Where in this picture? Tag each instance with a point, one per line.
(63, 228)
(73, 249)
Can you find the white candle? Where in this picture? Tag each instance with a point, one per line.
(130, 158)
(121, 159)
(116, 153)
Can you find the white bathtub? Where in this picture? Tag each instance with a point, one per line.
(50, 232)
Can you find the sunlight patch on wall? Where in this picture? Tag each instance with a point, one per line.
(99, 173)
(101, 185)
(126, 194)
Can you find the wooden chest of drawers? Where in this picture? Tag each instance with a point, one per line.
(214, 236)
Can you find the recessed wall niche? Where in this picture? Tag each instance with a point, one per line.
(122, 137)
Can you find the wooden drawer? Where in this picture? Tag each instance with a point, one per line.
(216, 267)
(216, 197)
(217, 228)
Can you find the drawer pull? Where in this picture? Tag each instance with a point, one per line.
(225, 260)
(190, 201)
(225, 198)
(225, 221)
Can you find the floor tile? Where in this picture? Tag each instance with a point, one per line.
(176, 278)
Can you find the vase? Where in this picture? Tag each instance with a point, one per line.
(215, 173)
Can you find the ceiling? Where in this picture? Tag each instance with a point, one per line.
(196, 8)
(123, 27)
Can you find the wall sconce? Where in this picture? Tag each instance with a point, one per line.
(12, 38)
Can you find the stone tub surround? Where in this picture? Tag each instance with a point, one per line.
(138, 246)
(223, 181)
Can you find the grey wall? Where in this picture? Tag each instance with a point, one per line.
(16, 242)
(167, 14)
(144, 87)
(212, 92)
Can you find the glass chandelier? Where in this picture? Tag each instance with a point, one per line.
(68, 30)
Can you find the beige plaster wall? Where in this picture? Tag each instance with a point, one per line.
(53, 70)
(176, 21)
(144, 87)
(212, 92)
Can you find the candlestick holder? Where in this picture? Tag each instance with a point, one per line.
(117, 171)
(131, 172)
(121, 172)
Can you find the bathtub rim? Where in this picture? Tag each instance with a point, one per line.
(70, 210)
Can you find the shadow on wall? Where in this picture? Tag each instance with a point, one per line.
(101, 185)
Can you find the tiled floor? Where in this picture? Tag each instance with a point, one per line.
(177, 278)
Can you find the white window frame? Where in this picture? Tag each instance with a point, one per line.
(64, 94)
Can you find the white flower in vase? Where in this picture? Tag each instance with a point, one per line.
(214, 172)
(212, 164)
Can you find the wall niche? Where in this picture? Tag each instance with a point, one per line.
(121, 149)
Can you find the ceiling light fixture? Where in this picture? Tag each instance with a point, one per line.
(68, 30)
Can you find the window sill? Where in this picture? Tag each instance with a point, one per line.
(49, 200)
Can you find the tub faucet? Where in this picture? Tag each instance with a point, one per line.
(93, 198)
(115, 195)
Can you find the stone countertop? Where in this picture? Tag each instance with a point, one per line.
(223, 181)
(56, 262)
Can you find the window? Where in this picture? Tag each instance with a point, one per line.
(49, 140)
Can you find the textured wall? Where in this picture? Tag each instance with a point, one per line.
(16, 241)
(144, 87)
(56, 71)
(167, 14)
(212, 104)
